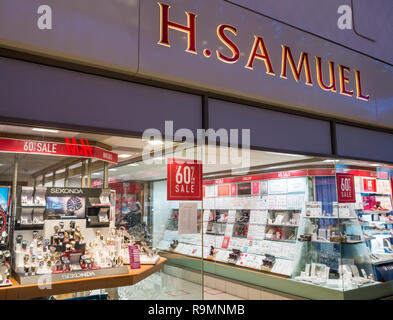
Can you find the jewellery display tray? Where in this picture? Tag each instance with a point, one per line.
(71, 275)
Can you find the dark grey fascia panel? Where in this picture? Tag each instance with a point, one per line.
(271, 129)
(365, 144)
(33, 92)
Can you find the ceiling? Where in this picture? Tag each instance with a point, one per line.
(214, 159)
(27, 164)
(120, 145)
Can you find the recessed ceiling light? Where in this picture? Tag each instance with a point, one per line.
(124, 155)
(113, 169)
(133, 164)
(156, 142)
(96, 173)
(45, 130)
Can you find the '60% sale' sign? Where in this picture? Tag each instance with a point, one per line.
(184, 179)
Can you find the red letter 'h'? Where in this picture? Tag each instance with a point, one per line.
(166, 24)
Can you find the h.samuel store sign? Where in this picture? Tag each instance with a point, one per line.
(210, 45)
(259, 51)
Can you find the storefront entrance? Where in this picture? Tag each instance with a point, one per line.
(287, 226)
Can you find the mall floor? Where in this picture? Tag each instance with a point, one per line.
(163, 286)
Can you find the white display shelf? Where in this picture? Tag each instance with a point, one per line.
(341, 242)
(282, 225)
(374, 212)
(329, 217)
(382, 261)
(282, 240)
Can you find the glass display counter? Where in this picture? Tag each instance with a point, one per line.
(290, 225)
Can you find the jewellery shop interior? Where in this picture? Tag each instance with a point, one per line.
(275, 231)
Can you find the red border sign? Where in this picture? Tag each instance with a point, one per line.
(184, 179)
(345, 188)
(71, 148)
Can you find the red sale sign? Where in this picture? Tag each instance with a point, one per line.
(184, 179)
(345, 188)
(369, 185)
(71, 148)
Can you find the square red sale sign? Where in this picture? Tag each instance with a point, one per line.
(184, 180)
(369, 185)
(345, 188)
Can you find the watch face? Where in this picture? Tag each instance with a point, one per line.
(74, 204)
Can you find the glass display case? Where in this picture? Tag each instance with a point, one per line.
(292, 224)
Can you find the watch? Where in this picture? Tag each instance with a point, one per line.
(19, 239)
(24, 244)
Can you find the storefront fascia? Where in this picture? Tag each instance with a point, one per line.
(116, 89)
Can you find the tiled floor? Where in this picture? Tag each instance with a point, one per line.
(162, 286)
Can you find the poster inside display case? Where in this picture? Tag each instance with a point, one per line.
(71, 207)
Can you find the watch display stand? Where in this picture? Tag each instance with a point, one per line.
(98, 210)
(30, 208)
(65, 256)
(65, 253)
(26, 197)
(97, 217)
(39, 197)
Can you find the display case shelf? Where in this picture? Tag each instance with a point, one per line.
(29, 226)
(374, 212)
(282, 240)
(30, 206)
(331, 242)
(282, 225)
(327, 217)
